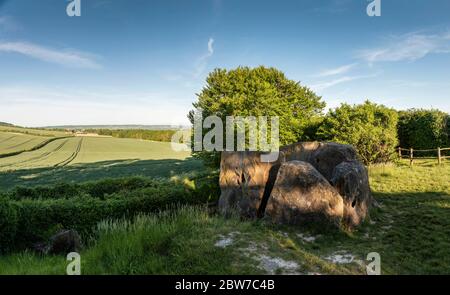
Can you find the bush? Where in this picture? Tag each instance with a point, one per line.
(30, 215)
(423, 129)
(8, 224)
(370, 128)
(96, 189)
(256, 92)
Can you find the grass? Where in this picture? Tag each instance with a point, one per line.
(11, 143)
(50, 155)
(174, 242)
(78, 159)
(97, 149)
(410, 229)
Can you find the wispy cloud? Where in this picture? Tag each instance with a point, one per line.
(336, 71)
(68, 58)
(191, 75)
(202, 62)
(408, 47)
(210, 47)
(324, 85)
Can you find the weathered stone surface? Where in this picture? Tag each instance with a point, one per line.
(301, 151)
(352, 182)
(243, 179)
(328, 155)
(247, 183)
(64, 242)
(301, 194)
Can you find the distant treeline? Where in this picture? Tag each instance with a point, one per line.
(155, 135)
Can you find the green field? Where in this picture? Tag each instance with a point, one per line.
(14, 143)
(74, 159)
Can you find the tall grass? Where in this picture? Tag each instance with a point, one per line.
(179, 241)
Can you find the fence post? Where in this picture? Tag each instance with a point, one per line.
(439, 155)
(411, 156)
(400, 152)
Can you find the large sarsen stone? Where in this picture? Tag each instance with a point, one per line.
(301, 194)
(247, 184)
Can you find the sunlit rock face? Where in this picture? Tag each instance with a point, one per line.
(301, 194)
(313, 173)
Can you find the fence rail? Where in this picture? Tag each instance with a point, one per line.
(411, 156)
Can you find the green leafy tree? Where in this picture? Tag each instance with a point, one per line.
(370, 128)
(256, 92)
(423, 129)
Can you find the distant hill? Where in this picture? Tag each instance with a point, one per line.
(117, 127)
(6, 124)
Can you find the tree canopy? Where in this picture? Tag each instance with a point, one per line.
(259, 91)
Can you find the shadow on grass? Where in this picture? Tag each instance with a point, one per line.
(412, 232)
(94, 171)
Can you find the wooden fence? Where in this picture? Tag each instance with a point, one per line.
(411, 156)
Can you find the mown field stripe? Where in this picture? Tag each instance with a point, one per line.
(19, 144)
(9, 138)
(37, 158)
(36, 147)
(72, 157)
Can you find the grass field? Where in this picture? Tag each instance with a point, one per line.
(76, 159)
(15, 143)
(410, 229)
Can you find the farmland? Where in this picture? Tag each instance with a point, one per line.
(45, 159)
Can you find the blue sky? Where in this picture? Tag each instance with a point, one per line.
(142, 61)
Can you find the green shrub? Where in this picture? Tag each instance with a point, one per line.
(8, 224)
(370, 128)
(32, 215)
(61, 190)
(100, 189)
(423, 129)
(96, 189)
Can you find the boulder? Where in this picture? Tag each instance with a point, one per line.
(301, 194)
(328, 155)
(243, 179)
(246, 183)
(352, 182)
(64, 242)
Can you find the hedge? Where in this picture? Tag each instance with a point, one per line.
(31, 215)
(8, 224)
(423, 129)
